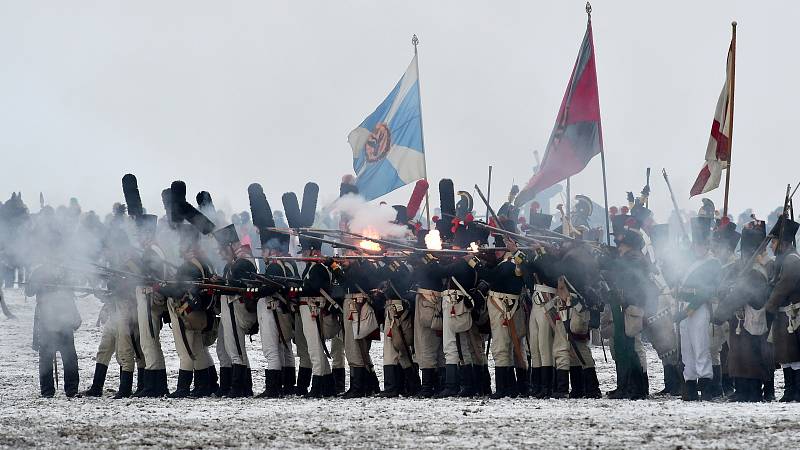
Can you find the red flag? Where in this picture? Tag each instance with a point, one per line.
(577, 135)
(718, 151)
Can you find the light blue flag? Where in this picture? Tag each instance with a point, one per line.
(387, 146)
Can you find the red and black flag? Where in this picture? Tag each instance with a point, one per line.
(577, 135)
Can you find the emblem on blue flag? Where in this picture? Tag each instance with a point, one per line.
(387, 147)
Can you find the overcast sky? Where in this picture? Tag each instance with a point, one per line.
(222, 94)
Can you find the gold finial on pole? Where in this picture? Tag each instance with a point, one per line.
(589, 9)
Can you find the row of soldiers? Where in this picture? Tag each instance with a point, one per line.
(530, 303)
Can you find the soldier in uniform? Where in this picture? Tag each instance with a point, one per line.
(123, 294)
(427, 321)
(190, 311)
(237, 312)
(725, 241)
(106, 348)
(318, 314)
(400, 372)
(274, 311)
(55, 320)
(151, 308)
(628, 277)
(276, 315)
(360, 325)
(742, 298)
(696, 289)
(783, 305)
(462, 342)
(506, 318)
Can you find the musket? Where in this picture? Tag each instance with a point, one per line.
(488, 206)
(675, 206)
(335, 244)
(66, 287)
(511, 234)
(384, 242)
(336, 258)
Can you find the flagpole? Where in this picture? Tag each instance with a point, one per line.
(414, 42)
(602, 151)
(730, 138)
(488, 192)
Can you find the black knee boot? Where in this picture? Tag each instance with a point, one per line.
(125, 384)
(390, 386)
(159, 380)
(690, 391)
(561, 389)
(429, 379)
(338, 377)
(144, 383)
(288, 379)
(237, 382)
(768, 393)
(546, 383)
(225, 377)
(790, 386)
(272, 384)
(96, 390)
(316, 387)
(329, 388)
(357, 381)
(202, 383)
(727, 384)
(450, 386)
(591, 385)
(576, 382)
(248, 381)
(715, 386)
(303, 381)
(536, 382)
(184, 383)
(523, 382)
(706, 389)
(411, 385)
(141, 381)
(485, 380)
(466, 376)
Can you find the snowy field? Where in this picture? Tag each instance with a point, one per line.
(28, 421)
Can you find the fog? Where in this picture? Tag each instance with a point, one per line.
(223, 94)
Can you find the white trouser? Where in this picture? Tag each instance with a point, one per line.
(276, 353)
(356, 351)
(451, 343)
(199, 358)
(150, 328)
(319, 362)
(300, 341)
(337, 352)
(540, 337)
(108, 341)
(223, 356)
(390, 354)
(128, 350)
(502, 308)
(234, 334)
(695, 345)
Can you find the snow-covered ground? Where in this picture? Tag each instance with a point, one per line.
(27, 420)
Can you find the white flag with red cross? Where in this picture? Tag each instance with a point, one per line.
(718, 152)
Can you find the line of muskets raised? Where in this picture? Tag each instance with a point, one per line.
(390, 249)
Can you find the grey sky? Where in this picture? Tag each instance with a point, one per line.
(222, 94)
